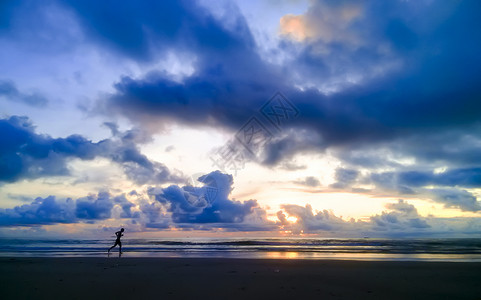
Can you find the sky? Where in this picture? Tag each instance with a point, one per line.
(239, 118)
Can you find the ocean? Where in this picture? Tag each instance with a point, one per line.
(266, 248)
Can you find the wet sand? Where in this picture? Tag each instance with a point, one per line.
(212, 278)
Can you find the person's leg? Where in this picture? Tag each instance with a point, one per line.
(113, 246)
(120, 247)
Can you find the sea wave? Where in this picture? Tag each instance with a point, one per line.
(265, 248)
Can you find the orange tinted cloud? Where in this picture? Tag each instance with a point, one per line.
(323, 22)
(294, 26)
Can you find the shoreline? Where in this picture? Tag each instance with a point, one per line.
(235, 278)
(441, 258)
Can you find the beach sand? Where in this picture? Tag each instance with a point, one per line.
(212, 278)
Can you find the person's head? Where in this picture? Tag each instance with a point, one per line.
(122, 230)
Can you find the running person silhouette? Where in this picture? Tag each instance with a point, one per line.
(117, 241)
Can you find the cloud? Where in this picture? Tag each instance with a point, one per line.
(466, 177)
(363, 69)
(49, 210)
(282, 218)
(457, 198)
(26, 154)
(154, 218)
(308, 222)
(208, 204)
(446, 187)
(141, 33)
(94, 208)
(226, 64)
(345, 177)
(9, 91)
(368, 113)
(401, 218)
(281, 149)
(310, 181)
(379, 63)
(39, 212)
(126, 206)
(330, 21)
(294, 27)
(391, 87)
(188, 208)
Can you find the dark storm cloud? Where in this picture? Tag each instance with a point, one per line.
(143, 29)
(432, 88)
(469, 178)
(24, 154)
(435, 89)
(226, 85)
(419, 106)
